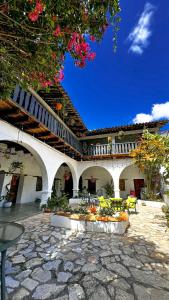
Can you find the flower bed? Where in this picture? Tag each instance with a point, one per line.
(110, 224)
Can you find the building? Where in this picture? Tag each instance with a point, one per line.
(43, 147)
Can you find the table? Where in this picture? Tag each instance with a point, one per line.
(10, 233)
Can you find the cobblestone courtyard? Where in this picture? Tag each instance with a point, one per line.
(51, 263)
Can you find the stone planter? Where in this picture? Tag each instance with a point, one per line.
(2, 203)
(7, 204)
(97, 226)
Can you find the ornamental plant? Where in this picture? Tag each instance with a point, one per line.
(152, 157)
(36, 35)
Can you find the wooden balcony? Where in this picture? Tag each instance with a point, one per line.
(110, 150)
(34, 116)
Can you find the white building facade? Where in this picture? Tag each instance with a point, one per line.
(105, 158)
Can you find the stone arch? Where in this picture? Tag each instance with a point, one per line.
(100, 173)
(38, 160)
(73, 173)
(134, 180)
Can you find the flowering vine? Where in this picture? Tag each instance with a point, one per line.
(36, 34)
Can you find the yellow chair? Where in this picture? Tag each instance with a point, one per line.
(116, 204)
(131, 203)
(104, 203)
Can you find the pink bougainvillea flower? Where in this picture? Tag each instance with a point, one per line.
(80, 64)
(92, 38)
(59, 76)
(91, 56)
(39, 7)
(57, 31)
(46, 83)
(33, 16)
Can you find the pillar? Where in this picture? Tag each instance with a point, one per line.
(46, 194)
(116, 187)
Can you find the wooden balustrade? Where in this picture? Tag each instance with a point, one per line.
(106, 149)
(33, 107)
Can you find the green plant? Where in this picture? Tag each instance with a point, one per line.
(43, 206)
(36, 35)
(83, 209)
(151, 196)
(151, 156)
(165, 210)
(109, 189)
(104, 211)
(16, 165)
(56, 202)
(166, 193)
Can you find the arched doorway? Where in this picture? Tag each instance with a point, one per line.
(21, 174)
(63, 182)
(96, 180)
(132, 181)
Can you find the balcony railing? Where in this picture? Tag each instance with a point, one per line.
(107, 149)
(43, 115)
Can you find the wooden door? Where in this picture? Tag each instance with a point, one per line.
(14, 188)
(69, 186)
(138, 185)
(91, 186)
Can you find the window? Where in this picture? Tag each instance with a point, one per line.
(39, 184)
(122, 185)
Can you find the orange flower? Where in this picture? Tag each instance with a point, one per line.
(93, 209)
(123, 216)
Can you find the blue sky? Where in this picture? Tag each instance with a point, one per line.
(115, 89)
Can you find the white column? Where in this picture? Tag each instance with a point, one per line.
(75, 187)
(113, 144)
(116, 186)
(45, 196)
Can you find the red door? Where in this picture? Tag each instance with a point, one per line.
(14, 188)
(138, 185)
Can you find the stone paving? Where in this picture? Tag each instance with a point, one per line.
(52, 263)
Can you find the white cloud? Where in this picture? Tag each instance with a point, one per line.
(159, 111)
(141, 32)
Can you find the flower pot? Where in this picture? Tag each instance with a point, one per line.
(47, 210)
(7, 204)
(2, 203)
(58, 106)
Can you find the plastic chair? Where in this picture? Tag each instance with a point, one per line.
(131, 203)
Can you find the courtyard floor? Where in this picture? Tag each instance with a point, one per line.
(52, 263)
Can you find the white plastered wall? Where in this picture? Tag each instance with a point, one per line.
(102, 177)
(28, 178)
(129, 174)
(48, 159)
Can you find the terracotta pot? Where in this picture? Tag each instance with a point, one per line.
(47, 210)
(58, 106)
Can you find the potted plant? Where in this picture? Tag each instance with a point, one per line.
(166, 197)
(2, 201)
(7, 202)
(16, 165)
(165, 209)
(58, 106)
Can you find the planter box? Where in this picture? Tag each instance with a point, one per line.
(98, 226)
(156, 204)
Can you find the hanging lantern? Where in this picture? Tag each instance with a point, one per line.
(58, 106)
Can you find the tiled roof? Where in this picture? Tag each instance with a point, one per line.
(130, 127)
